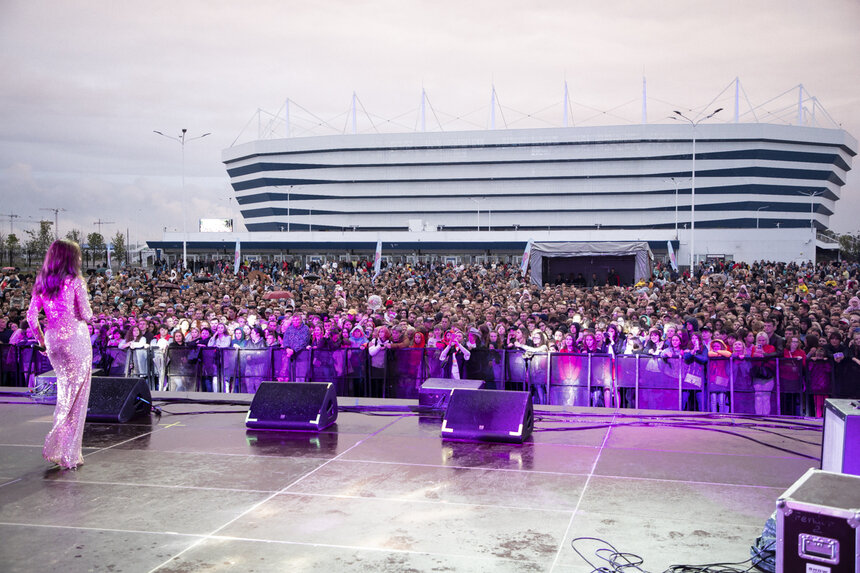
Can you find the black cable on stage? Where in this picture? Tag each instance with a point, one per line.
(621, 562)
(206, 402)
(727, 567)
(690, 426)
(205, 412)
(766, 431)
(681, 422)
(616, 560)
(680, 416)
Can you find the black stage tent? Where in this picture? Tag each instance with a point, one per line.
(552, 262)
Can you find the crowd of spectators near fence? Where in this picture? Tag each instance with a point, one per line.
(765, 310)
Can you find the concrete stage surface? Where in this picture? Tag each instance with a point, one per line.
(196, 492)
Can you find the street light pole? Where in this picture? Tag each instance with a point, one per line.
(693, 183)
(812, 195)
(756, 215)
(182, 139)
(475, 201)
(675, 181)
(478, 204)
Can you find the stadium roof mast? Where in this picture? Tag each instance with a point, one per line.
(423, 110)
(566, 103)
(493, 108)
(644, 102)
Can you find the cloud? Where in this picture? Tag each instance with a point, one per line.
(88, 81)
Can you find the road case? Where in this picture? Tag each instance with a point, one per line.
(818, 520)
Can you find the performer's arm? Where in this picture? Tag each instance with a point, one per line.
(82, 303)
(36, 304)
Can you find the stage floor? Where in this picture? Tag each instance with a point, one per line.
(384, 493)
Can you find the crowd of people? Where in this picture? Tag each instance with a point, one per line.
(764, 309)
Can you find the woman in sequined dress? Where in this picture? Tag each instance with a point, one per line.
(61, 292)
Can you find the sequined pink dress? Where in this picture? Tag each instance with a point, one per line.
(71, 354)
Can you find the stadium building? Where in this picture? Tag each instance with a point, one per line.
(744, 191)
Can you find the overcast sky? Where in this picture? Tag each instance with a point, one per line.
(85, 83)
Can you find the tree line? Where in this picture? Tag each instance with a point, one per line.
(30, 252)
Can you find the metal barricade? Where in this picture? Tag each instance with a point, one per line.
(357, 369)
(181, 369)
(31, 364)
(487, 365)
(742, 391)
(406, 372)
(435, 367)
(517, 370)
(209, 368)
(255, 366)
(659, 383)
(719, 377)
(568, 385)
(115, 361)
(10, 366)
(767, 386)
(791, 380)
(627, 379)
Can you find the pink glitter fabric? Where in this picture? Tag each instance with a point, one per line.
(71, 354)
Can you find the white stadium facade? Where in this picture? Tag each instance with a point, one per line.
(749, 191)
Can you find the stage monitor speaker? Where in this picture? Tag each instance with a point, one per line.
(435, 392)
(118, 399)
(488, 415)
(293, 406)
(840, 447)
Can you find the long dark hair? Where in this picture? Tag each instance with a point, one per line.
(62, 260)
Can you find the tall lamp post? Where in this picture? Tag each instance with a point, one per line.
(678, 115)
(477, 203)
(675, 180)
(756, 215)
(812, 195)
(182, 139)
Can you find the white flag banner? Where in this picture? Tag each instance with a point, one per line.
(524, 265)
(108, 271)
(672, 256)
(377, 259)
(237, 258)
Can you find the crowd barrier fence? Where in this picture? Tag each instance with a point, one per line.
(749, 385)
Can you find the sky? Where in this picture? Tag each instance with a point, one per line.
(86, 83)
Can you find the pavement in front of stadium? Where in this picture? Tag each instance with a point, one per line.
(383, 492)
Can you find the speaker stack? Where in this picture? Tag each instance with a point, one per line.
(488, 415)
(293, 406)
(118, 399)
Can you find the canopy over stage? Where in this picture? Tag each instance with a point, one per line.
(550, 261)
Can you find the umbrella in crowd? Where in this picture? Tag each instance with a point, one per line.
(203, 280)
(258, 276)
(168, 286)
(277, 294)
